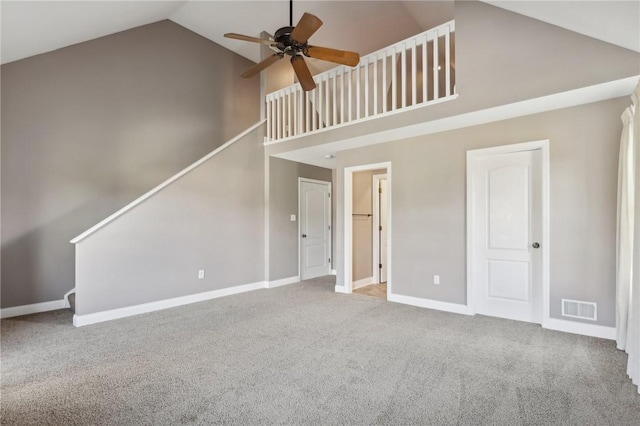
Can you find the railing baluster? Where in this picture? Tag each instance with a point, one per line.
(436, 65)
(327, 116)
(447, 62)
(385, 89)
(314, 114)
(268, 115)
(425, 73)
(341, 97)
(298, 111)
(359, 79)
(366, 89)
(335, 93)
(375, 86)
(414, 71)
(307, 107)
(320, 108)
(350, 94)
(394, 81)
(277, 117)
(288, 127)
(404, 76)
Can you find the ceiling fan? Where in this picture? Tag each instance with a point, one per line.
(292, 41)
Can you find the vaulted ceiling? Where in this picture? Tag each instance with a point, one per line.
(33, 27)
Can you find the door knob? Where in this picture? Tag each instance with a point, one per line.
(304, 235)
(535, 245)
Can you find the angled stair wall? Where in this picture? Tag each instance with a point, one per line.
(208, 217)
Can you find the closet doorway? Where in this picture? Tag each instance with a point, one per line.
(369, 219)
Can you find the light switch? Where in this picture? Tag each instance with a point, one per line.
(293, 218)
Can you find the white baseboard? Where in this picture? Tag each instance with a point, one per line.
(575, 327)
(341, 289)
(429, 303)
(66, 297)
(283, 281)
(362, 283)
(80, 320)
(34, 308)
(334, 272)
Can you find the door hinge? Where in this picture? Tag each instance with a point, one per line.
(380, 228)
(380, 266)
(329, 194)
(380, 190)
(329, 260)
(329, 227)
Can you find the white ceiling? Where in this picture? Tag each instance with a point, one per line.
(33, 27)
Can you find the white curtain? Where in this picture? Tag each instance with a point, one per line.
(628, 238)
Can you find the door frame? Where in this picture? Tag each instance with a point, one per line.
(375, 240)
(472, 157)
(299, 236)
(347, 286)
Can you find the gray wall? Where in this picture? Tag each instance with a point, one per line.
(89, 128)
(283, 202)
(211, 219)
(429, 214)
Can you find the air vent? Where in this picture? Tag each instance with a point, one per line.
(578, 309)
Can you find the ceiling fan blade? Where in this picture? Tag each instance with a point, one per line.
(247, 38)
(262, 65)
(333, 55)
(302, 72)
(308, 25)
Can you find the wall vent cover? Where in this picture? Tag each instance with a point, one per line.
(578, 309)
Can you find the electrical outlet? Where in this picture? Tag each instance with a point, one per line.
(201, 274)
(293, 218)
(436, 279)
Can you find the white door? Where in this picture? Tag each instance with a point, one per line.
(507, 206)
(383, 230)
(315, 228)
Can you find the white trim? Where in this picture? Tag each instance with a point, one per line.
(266, 201)
(348, 225)
(66, 297)
(375, 240)
(164, 184)
(34, 308)
(80, 320)
(333, 271)
(281, 282)
(330, 207)
(342, 289)
(363, 282)
(472, 155)
(574, 327)
(429, 303)
(571, 98)
(365, 119)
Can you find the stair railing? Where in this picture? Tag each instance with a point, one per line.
(413, 73)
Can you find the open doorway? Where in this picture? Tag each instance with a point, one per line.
(367, 241)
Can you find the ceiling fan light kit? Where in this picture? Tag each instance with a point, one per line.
(292, 41)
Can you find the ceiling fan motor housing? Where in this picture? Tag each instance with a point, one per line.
(285, 43)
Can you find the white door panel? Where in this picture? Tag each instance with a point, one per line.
(315, 229)
(507, 217)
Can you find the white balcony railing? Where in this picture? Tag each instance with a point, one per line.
(414, 72)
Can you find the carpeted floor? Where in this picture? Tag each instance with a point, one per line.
(302, 354)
